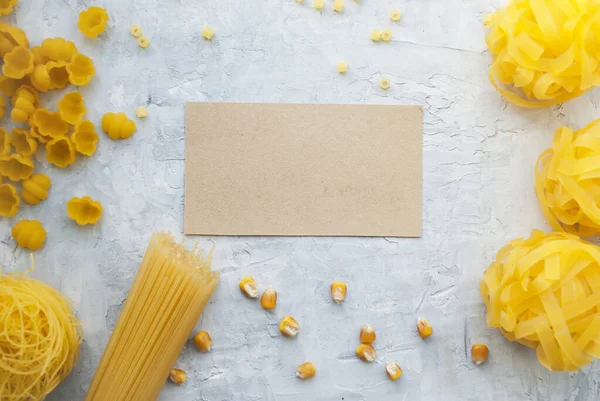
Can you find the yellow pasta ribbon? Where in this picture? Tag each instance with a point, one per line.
(567, 180)
(555, 310)
(544, 52)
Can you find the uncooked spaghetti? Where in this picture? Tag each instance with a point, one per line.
(168, 295)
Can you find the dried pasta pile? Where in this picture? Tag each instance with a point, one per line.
(168, 295)
(567, 180)
(545, 51)
(39, 338)
(543, 292)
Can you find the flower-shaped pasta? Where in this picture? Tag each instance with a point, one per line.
(9, 86)
(85, 138)
(6, 6)
(29, 234)
(4, 142)
(9, 200)
(35, 189)
(35, 133)
(40, 78)
(10, 37)
(25, 102)
(81, 70)
(58, 49)
(84, 210)
(60, 151)
(49, 123)
(71, 108)
(92, 22)
(59, 76)
(18, 62)
(39, 56)
(16, 167)
(118, 126)
(23, 142)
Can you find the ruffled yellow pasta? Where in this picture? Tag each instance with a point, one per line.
(544, 292)
(567, 180)
(545, 51)
(39, 338)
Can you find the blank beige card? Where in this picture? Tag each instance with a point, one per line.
(303, 169)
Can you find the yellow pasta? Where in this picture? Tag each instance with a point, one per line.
(168, 295)
(544, 51)
(543, 292)
(567, 180)
(39, 338)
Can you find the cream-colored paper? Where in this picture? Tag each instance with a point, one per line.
(303, 169)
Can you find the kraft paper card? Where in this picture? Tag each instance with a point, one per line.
(303, 169)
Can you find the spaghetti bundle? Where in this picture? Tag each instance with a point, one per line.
(543, 292)
(545, 51)
(567, 180)
(168, 295)
(39, 338)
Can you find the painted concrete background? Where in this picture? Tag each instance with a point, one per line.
(479, 154)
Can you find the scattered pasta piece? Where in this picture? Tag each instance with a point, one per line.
(338, 5)
(542, 292)
(57, 49)
(395, 15)
(375, 35)
(6, 6)
(136, 30)
(208, 33)
(23, 143)
(16, 167)
(9, 86)
(9, 200)
(299, 1)
(29, 234)
(49, 123)
(4, 142)
(11, 37)
(60, 151)
(85, 138)
(40, 78)
(18, 63)
(72, 108)
(118, 126)
(34, 132)
(342, 67)
(35, 189)
(386, 35)
(141, 112)
(84, 210)
(38, 55)
(143, 42)
(384, 83)
(318, 4)
(81, 70)
(59, 75)
(92, 22)
(25, 102)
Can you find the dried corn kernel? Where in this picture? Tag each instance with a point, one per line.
(384, 83)
(318, 4)
(16, 167)
(177, 376)
(81, 70)
(306, 370)
(85, 138)
(35, 189)
(289, 327)
(22, 141)
(141, 112)
(9, 200)
(29, 234)
(338, 292)
(395, 15)
(203, 341)
(84, 210)
(269, 299)
(143, 42)
(92, 22)
(342, 67)
(366, 352)
(71, 108)
(424, 328)
(479, 353)
(18, 63)
(136, 30)
(367, 334)
(386, 35)
(375, 35)
(338, 5)
(208, 33)
(393, 370)
(60, 151)
(248, 287)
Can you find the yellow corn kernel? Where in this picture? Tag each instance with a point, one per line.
(248, 287)
(384, 83)
(338, 291)
(289, 327)
(395, 15)
(366, 352)
(318, 4)
(479, 353)
(393, 370)
(177, 376)
(136, 30)
(424, 328)
(306, 370)
(141, 112)
(203, 341)
(375, 35)
(269, 299)
(208, 33)
(386, 35)
(143, 42)
(338, 5)
(367, 334)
